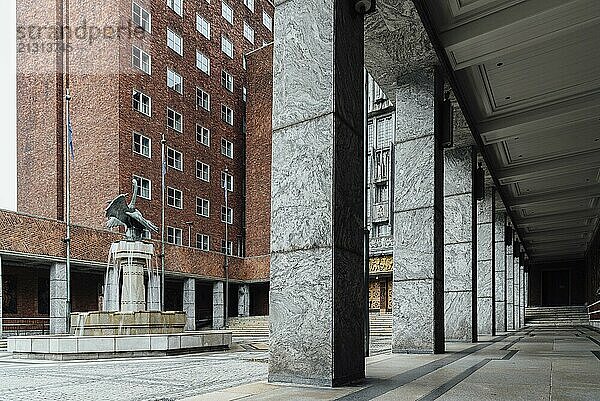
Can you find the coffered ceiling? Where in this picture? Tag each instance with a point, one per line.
(527, 75)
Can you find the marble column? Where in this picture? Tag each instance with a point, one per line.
(418, 273)
(317, 293)
(516, 283)
(1, 299)
(510, 319)
(218, 305)
(244, 300)
(500, 271)
(189, 303)
(459, 249)
(485, 266)
(521, 297)
(58, 298)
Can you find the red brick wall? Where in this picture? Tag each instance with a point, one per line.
(258, 140)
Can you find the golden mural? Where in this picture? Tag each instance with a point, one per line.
(381, 264)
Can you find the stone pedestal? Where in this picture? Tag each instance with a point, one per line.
(58, 298)
(132, 257)
(244, 300)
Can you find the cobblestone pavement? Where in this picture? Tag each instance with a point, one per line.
(167, 378)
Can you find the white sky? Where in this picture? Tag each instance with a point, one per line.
(8, 158)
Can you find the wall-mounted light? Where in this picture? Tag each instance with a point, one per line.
(447, 122)
(479, 183)
(364, 7)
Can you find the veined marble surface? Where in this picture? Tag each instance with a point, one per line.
(459, 324)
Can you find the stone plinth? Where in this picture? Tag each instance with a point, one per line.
(132, 257)
(127, 323)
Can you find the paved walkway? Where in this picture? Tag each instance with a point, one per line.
(541, 364)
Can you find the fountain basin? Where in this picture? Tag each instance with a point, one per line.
(70, 347)
(126, 323)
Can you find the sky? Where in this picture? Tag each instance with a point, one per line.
(8, 109)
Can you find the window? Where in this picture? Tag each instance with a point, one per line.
(174, 235)
(227, 179)
(203, 26)
(141, 18)
(267, 21)
(227, 148)
(203, 207)
(142, 102)
(141, 144)
(176, 5)
(226, 215)
(227, 46)
(174, 81)
(143, 187)
(202, 171)
(248, 32)
(174, 159)
(174, 198)
(244, 94)
(174, 120)
(227, 80)
(249, 4)
(227, 12)
(226, 114)
(175, 42)
(202, 99)
(203, 242)
(229, 247)
(141, 60)
(202, 62)
(202, 135)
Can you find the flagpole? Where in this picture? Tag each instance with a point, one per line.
(225, 260)
(162, 224)
(69, 154)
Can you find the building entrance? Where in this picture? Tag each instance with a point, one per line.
(556, 287)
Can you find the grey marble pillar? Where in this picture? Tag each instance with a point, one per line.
(1, 300)
(317, 293)
(521, 297)
(244, 300)
(153, 293)
(218, 305)
(418, 273)
(510, 315)
(516, 280)
(485, 267)
(189, 303)
(110, 301)
(500, 271)
(58, 298)
(459, 226)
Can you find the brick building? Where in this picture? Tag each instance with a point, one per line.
(137, 70)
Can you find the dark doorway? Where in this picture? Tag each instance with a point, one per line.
(204, 304)
(259, 299)
(556, 285)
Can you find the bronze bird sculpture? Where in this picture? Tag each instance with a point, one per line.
(120, 213)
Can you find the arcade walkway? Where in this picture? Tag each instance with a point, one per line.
(533, 364)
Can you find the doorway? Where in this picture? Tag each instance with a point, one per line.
(556, 287)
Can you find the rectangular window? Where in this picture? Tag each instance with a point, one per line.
(227, 80)
(202, 62)
(267, 21)
(202, 99)
(141, 60)
(142, 102)
(202, 171)
(248, 32)
(174, 159)
(203, 26)
(227, 12)
(174, 120)
(227, 148)
(174, 235)
(226, 114)
(227, 179)
(227, 46)
(174, 81)
(175, 42)
(203, 242)
(249, 4)
(229, 247)
(144, 187)
(141, 144)
(202, 135)
(174, 198)
(176, 5)
(141, 18)
(203, 207)
(226, 215)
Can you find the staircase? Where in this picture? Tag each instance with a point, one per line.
(380, 324)
(250, 327)
(557, 316)
(3, 345)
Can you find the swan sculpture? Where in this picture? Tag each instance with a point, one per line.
(120, 213)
